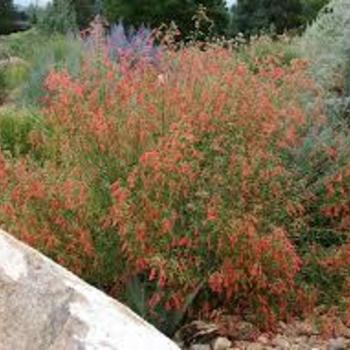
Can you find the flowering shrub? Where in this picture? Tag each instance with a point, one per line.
(175, 176)
(212, 200)
(90, 134)
(332, 250)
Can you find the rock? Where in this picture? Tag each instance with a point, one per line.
(305, 328)
(220, 343)
(45, 307)
(281, 342)
(196, 332)
(337, 344)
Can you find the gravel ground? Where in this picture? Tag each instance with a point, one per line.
(322, 332)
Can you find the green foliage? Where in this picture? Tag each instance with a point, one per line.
(16, 75)
(253, 16)
(15, 127)
(58, 17)
(139, 292)
(311, 8)
(60, 52)
(23, 44)
(37, 53)
(252, 52)
(3, 87)
(275, 16)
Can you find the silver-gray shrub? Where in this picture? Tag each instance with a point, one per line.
(326, 43)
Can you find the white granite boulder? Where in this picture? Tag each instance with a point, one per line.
(45, 307)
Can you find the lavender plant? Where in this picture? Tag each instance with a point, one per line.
(135, 44)
(131, 45)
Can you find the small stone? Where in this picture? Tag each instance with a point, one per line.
(243, 331)
(263, 339)
(282, 325)
(306, 328)
(337, 344)
(255, 346)
(301, 340)
(313, 339)
(281, 342)
(196, 332)
(221, 343)
(344, 331)
(200, 347)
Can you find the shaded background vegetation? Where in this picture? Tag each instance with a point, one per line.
(246, 16)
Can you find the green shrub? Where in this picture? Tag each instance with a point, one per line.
(40, 53)
(60, 52)
(16, 75)
(23, 44)
(15, 128)
(3, 86)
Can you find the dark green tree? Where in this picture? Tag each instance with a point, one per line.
(156, 12)
(6, 16)
(85, 11)
(252, 16)
(311, 8)
(58, 17)
(218, 12)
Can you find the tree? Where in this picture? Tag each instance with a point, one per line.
(59, 16)
(218, 12)
(156, 12)
(85, 11)
(251, 16)
(6, 16)
(311, 8)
